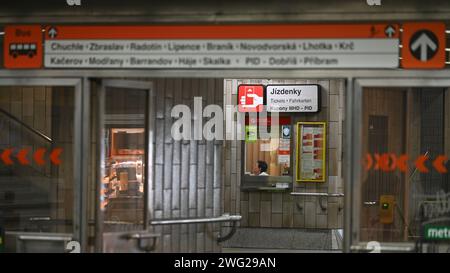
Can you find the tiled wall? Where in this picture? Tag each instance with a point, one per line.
(188, 174)
(264, 209)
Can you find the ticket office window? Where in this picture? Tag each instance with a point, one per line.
(268, 160)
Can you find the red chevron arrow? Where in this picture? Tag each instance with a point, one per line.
(393, 162)
(420, 163)
(6, 157)
(54, 156)
(39, 156)
(22, 157)
(439, 162)
(402, 163)
(383, 162)
(368, 162)
(377, 161)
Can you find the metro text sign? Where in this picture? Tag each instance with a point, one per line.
(437, 233)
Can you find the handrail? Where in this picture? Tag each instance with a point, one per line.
(361, 248)
(223, 218)
(138, 236)
(317, 194)
(321, 196)
(144, 236)
(44, 238)
(36, 132)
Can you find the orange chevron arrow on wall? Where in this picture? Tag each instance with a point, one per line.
(54, 156)
(22, 156)
(368, 162)
(6, 157)
(420, 164)
(439, 162)
(39, 156)
(402, 163)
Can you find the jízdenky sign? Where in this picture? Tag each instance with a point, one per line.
(293, 98)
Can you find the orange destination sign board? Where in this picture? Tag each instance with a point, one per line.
(223, 46)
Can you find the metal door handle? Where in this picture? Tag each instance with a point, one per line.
(143, 236)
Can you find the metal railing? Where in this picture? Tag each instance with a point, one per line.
(321, 196)
(222, 218)
(317, 194)
(55, 238)
(383, 248)
(31, 129)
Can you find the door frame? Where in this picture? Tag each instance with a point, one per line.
(79, 167)
(149, 145)
(354, 136)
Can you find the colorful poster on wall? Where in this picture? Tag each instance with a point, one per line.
(311, 138)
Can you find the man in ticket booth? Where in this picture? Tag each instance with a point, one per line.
(260, 168)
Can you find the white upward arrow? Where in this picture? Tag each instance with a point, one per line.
(423, 42)
(52, 33)
(390, 31)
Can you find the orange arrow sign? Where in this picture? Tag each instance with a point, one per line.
(420, 163)
(6, 157)
(402, 163)
(377, 161)
(393, 162)
(22, 157)
(39, 156)
(438, 164)
(384, 160)
(368, 162)
(54, 156)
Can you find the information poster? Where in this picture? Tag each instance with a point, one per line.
(284, 147)
(311, 138)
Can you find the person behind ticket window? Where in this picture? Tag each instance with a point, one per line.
(260, 168)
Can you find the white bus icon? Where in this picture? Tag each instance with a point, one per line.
(16, 50)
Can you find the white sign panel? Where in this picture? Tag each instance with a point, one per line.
(237, 53)
(292, 98)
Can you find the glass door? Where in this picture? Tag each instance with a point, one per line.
(400, 176)
(124, 153)
(40, 170)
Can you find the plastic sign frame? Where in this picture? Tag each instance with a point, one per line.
(313, 92)
(299, 151)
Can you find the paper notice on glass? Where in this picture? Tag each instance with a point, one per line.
(285, 145)
(265, 147)
(284, 158)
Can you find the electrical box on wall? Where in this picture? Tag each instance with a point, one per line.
(387, 203)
